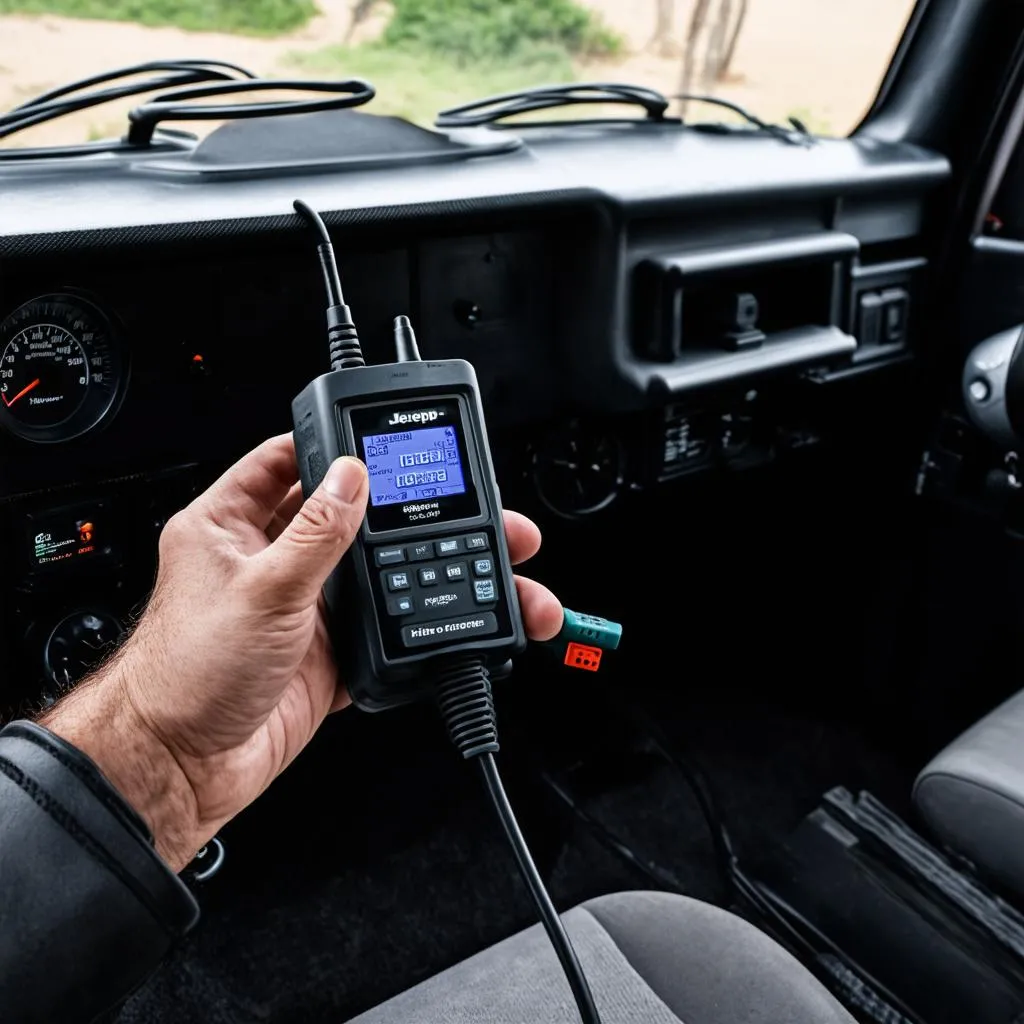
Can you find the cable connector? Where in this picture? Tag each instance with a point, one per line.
(583, 639)
(591, 630)
(582, 656)
(406, 349)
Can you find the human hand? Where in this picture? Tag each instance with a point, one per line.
(229, 672)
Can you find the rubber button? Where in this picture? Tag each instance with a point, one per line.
(477, 542)
(484, 591)
(455, 572)
(389, 556)
(483, 567)
(421, 552)
(398, 581)
(428, 577)
(448, 630)
(449, 546)
(401, 606)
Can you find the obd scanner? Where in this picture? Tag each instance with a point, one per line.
(431, 554)
(424, 604)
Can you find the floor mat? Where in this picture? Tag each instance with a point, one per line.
(339, 892)
(376, 861)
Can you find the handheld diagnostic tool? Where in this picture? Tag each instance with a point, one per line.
(429, 573)
(424, 604)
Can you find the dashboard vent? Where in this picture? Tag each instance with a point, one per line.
(738, 298)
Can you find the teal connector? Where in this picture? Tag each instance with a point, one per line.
(591, 630)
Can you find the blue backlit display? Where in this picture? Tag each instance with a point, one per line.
(413, 465)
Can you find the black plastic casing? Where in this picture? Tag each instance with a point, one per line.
(378, 676)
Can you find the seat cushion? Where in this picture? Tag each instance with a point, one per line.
(650, 957)
(972, 794)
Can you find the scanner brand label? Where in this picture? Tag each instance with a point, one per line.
(446, 628)
(421, 416)
(463, 628)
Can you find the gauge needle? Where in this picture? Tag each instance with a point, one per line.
(24, 391)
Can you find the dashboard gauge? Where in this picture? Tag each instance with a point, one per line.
(61, 368)
(578, 472)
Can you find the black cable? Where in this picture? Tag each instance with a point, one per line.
(328, 264)
(464, 698)
(494, 109)
(67, 99)
(531, 876)
(172, 106)
(184, 64)
(789, 925)
(796, 134)
(697, 783)
(343, 345)
(206, 79)
(653, 872)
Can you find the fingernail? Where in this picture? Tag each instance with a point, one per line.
(344, 478)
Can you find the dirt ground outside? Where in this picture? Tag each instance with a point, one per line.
(818, 59)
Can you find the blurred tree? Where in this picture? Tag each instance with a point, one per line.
(361, 10)
(714, 22)
(698, 20)
(730, 50)
(718, 41)
(663, 41)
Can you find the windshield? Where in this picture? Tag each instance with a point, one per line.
(819, 61)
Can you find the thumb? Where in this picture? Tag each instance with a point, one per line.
(296, 565)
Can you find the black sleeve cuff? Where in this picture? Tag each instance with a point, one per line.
(87, 907)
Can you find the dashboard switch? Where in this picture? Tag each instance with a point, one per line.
(882, 317)
(895, 306)
(869, 319)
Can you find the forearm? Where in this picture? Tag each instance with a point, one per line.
(87, 908)
(100, 719)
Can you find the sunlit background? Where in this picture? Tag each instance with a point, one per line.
(818, 60)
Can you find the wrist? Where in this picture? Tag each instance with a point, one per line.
(100, 719)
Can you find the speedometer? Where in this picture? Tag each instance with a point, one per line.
(61, 368)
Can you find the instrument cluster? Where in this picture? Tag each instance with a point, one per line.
(63, 368)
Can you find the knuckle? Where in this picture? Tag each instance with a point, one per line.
(175, 530)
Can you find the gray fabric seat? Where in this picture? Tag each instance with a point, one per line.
(649, 957)
(972, 794)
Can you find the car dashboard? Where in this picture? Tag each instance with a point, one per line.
(643, 305)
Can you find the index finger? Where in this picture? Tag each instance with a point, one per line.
(253, 488)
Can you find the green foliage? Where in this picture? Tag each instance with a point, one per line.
(467, 32)
(439, 53)
(256, 17)
(417, 85)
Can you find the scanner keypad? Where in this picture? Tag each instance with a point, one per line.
(453, 594)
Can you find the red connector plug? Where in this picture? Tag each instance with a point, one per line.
(582, 656)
